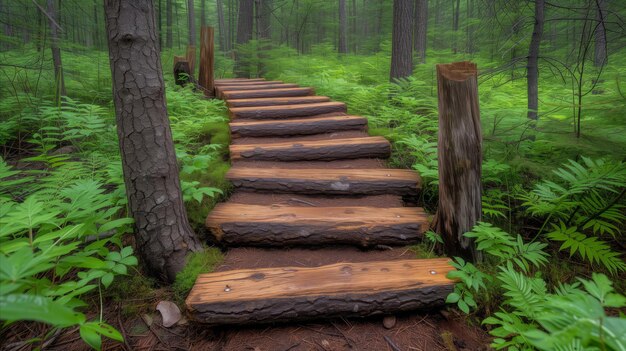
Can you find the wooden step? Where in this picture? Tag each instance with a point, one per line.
(329, 149)
(297, 110)
(276, 101)
(220, 89)
(223, 81)
(296, 126)
(265, 93)
(247, 82)
(326, 181)
(284, 294)
(242, 224)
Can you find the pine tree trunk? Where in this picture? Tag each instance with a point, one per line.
(56, 51)
(342, 48)
(221, 27)
(600, 58)
(191, 23)
(401, 41)
(163, 234)
(533, 59)
(202, 13)
(455, 25)
(264, 29)
(460, 157)
(169, 38)
(244, 35)
(421, 25)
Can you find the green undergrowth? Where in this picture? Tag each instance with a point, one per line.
(197, 263)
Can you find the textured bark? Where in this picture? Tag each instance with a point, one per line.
(163, 235)
(202, 14)
(421, 26)
(191, 23)
(242, 224)
(533, 59)
(221, 26)
(460, 157)
(297, 126)
(276, 101)
(342, 48)
(334, 149)
(207, 59)
(455, 25)
(244, 35)
(281, 111)
(600, 56)
(326, 181)
(53, 21)
(264, 32)
(338, 290)
(182, 73)
(169, 37)
(265, 93)
(401, 42)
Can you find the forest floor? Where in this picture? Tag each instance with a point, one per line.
(142, 325)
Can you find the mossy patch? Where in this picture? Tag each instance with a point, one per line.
(197, 263)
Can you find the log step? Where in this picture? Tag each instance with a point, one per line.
(297, 110)
(310, 150)
(220, 89)
(326, 181)
(265, 93)
(223, 81)
(283, 294)
(276, 101)
(247, 82)
(242, 224)
(296, 126)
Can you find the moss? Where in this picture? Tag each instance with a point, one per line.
(197, 263)
(422, 250)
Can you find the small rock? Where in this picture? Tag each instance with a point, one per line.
(389, 322)
(325, 344)
(170, 313)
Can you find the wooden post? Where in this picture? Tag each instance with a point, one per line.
(191, 58)
(460, 157)
(205, 74)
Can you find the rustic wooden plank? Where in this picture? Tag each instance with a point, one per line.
(297, 110)
(263, 93)
(247, 82)
(326, 181)
(237, 224)
(220, 89)
(238, 80)
(296, 126)
(339, 290)
(276, 101)
(331, 149)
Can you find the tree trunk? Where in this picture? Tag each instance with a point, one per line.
(202, 13)
(264, 30)
(169, 38)
(455, 25)
(342, 48)
(401, 43)
(421, 25)
(600, 58)
(460, 157)
(244, 35)
(163, 234)
(53, 20)
(221, 27)
(533, 58)
(205, 73)
(191, 22)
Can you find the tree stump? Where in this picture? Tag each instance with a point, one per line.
(460, 157)
(205, 73)
(182, 73)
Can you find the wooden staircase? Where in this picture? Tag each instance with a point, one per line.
(288, 142)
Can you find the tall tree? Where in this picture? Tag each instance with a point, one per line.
(191, 22)
(401, 40)
(264, 21)
(421, 24)
(203, 13)
(221, 27)
(600, 58)
(533, 61)
(342, 48)
(53, 20)
(455, 24)
(244, 35)
(169, 37)
(163, 234)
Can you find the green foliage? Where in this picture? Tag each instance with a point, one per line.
(197, 263)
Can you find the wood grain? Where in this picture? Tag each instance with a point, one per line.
(331, 149)
(296, 293)
(297, 126)
(276, 101)
(263, 93)
(235, 223)
(220, 89)
(326, 181)
(297, 110)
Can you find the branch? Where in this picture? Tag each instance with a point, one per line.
(48, 15)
